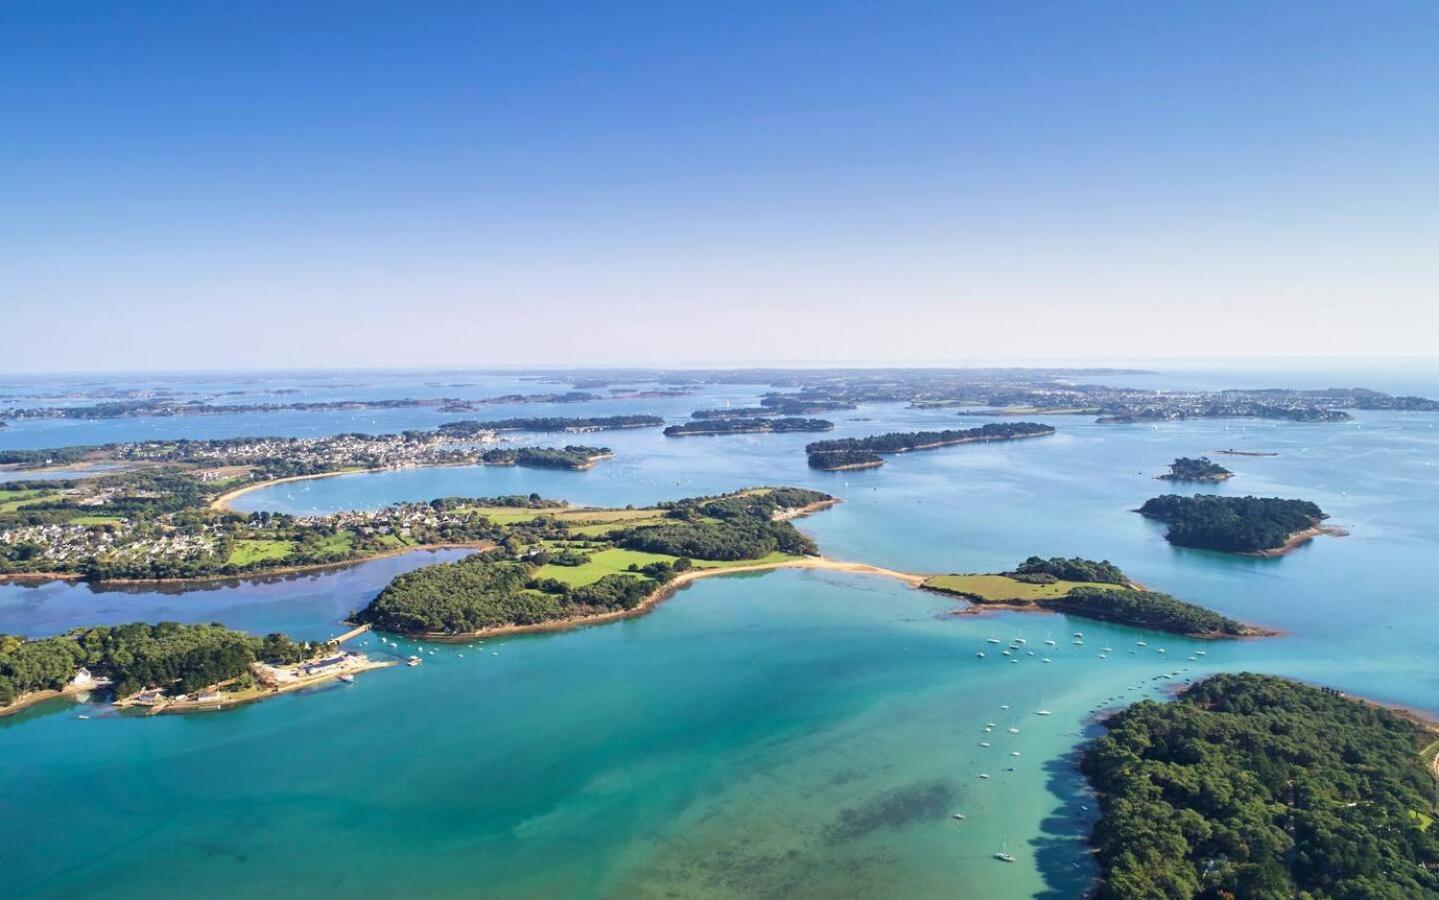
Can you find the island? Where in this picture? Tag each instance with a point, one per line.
(1256, 786)
(1186, 468)
(854, 453)
(1093, 590)
(1252, 526)
(472, 428)
(573, 457)
(565, 567)
(722, 425)
(167, 667)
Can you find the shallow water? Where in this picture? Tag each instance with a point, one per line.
(795, 733)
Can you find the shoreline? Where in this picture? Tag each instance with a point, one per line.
(979, 607)
(222, 502)
(1295, 541)
(661, 594)
(248, 576)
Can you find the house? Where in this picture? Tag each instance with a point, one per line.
(83, 680)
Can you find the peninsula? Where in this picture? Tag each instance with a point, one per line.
(1251, 526)
(854, 453)
(167, 667)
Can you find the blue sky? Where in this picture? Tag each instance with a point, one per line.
(213, 184)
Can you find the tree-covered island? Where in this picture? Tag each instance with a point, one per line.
(1185, 468)
(165, 666)
(857, 453)
(472, 428)
(1262, 526)
(1254, 786)
(777, 425)
(1094, 590)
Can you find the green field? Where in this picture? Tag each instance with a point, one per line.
(95, 520)
(338, 545)
(616, 561)
(253, 551)
(13, 500)
(1002, 588)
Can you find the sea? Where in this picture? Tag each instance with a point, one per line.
(782, 734)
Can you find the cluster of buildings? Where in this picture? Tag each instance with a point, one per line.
(315, 454)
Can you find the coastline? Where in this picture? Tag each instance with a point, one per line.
(1295, 541)
(223, 501)
(252, 575)
(663, 593)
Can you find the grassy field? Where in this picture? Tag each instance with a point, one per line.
(248, 552)
(337, 545)
(95, 520)
(1002, 588)
(616, 561)
(13, 500)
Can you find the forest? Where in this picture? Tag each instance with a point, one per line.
(1255, 786)
(742, 425)
(177, 658)
(1186, 468)
(822, 452)
(1231, 524)
(572, 457)
(1072, 569)
(472, 427)
(1146, 609)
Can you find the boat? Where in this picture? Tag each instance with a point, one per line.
(1014, 753)
(1141, 643)
(982, 775)
(984, 743)
(1047, 659)
(959, 816)
(1014, 730)
(1004, 706)
(994, 640)
(347, 678)
(1079, 634)
(1043, 712)
(1004, 857)
(413, 661)
(980, 654)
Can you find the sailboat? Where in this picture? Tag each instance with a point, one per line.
(1004, 855)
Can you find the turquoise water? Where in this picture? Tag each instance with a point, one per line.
(785, 734)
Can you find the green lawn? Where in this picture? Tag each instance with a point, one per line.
(337, 544)
(13, 500)
(95, 520)
(253, 551)
(616, 561)
(999, 588)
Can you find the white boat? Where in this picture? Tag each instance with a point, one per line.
(1047, 659)
(982, 775)
(959, 816)
(1013, 730)
(1004, 706)
(1004, 857)
(1141, 643)
(984, 743)
(994, 640)
(980, 654)
(1079, 634)
(1014, 753)
(1043, 712)
(413, 661)
(347, 678)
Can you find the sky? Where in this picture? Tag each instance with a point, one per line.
(296, 184)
